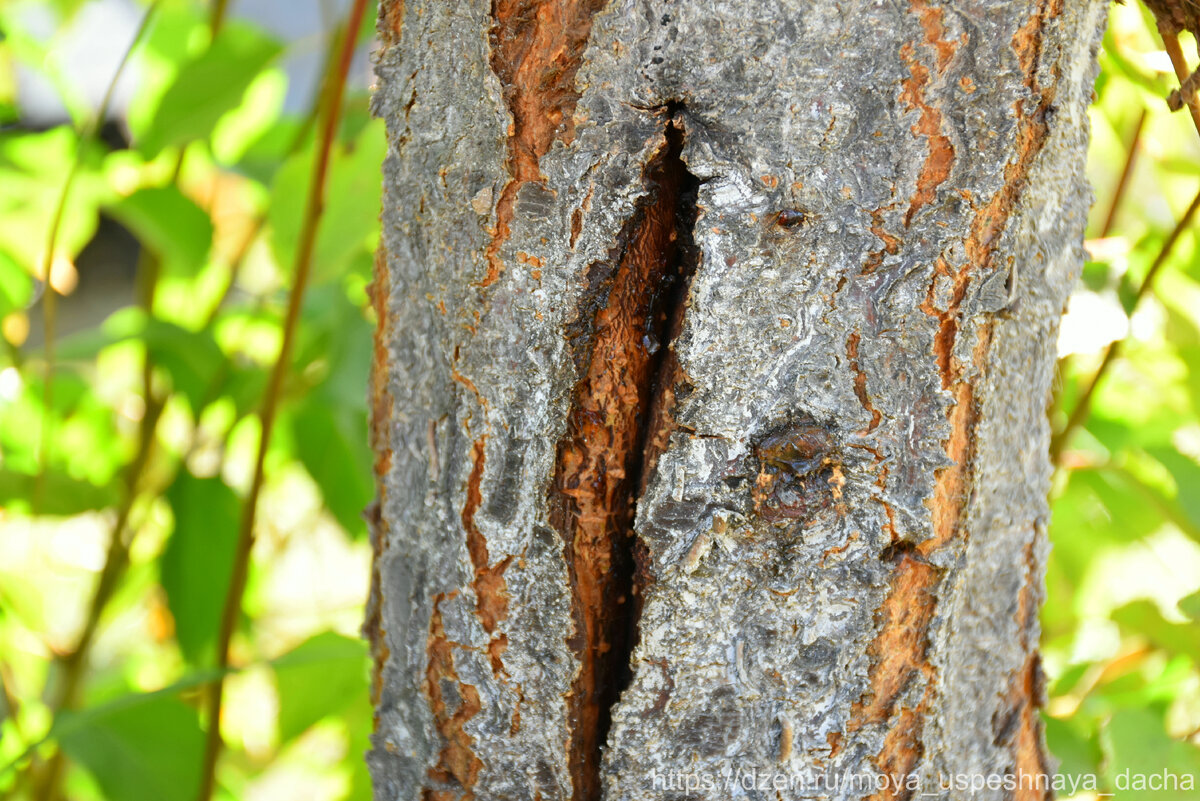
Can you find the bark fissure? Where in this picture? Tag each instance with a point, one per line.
(627, 381)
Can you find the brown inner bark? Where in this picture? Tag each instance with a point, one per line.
(601, 458)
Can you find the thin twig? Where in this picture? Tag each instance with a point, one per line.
(1126, 171)
(314, 205)
(1170, 40)
(85, 134)
(1079, 414)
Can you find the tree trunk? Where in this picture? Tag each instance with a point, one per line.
(715, 341)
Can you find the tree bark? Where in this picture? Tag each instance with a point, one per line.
(715, 341)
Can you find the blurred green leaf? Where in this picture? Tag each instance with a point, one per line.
(62, 495)
(1190, 606)
(1096, 275)
(1186, 474)
(33, 171)
(207, 87)
(1150, 83)
(1077, 749)
(16, 287)
(85, 447)
(352, 208)
(1111, 508)
(198, 560)
(320, 677)
(169, 224)
(331, 442)
(258, 113)
(145, 752)
(1138, 750)
(193, 360)
(1144, 619)
(329, 423)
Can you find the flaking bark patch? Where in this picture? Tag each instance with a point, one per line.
(537, 47)
(491, 602)
(458, 766)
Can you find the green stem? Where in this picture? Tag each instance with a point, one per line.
(314, 205)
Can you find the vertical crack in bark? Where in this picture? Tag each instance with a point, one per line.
(621, 400)
(537, 47)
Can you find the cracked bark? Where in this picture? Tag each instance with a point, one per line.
(709, 391)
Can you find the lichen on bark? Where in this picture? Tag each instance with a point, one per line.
(803, 399)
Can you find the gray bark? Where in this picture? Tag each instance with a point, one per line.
(841, 495)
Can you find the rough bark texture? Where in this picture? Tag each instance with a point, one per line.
(715, 343)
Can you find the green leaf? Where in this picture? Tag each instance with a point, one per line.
(1139, 751)
(145, 752)
(1096, 275)
(1116, 510)
(331, 442)
(330, 423)
(1190, 606)
(191, 358)
(1186, 474)
(33, 171)
(169, 224)
(85, 447)
(258, 114)
(198, 560)
(1144, 619)
(16, 287)
(207, 87)
(1076, 748)
(320, 677)
(351, 213)
(61, 496)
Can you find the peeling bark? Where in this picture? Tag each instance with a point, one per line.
(709, 391)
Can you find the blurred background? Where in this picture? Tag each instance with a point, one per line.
(148, 243)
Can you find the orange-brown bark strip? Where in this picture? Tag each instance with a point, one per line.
(936, 168)
(391, 21)
(537, 47)
(381, 399)
(931, 19)
(457, 764)
(381, 409)
(860, 381)
(898, 653)
(899, 648)
(899, 657)
(1029, 758)
(491, 598)
(602, 454)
